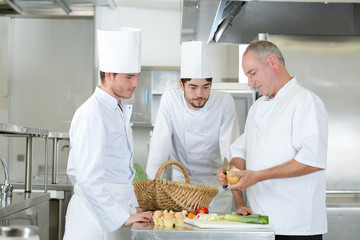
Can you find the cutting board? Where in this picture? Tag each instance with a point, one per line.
(225, 224)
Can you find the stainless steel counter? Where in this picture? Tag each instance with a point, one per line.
(27, 209)
(60, 195)
(189, 232)
(17, 130)
(343, 214)
(21, 200)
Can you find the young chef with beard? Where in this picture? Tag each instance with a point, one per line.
(100, 164)
(282, 153)
(195, 126)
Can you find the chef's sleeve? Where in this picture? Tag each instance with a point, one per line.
(310, 131)
(237, 149)
(230, 129)
(161, 139)
(89, 135)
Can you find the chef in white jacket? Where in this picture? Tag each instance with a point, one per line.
(283, 150)
(100, 164)
(195, 126)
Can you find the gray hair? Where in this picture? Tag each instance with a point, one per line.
(262, 49)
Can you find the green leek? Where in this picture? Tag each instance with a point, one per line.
(256, 218)
(139, 172)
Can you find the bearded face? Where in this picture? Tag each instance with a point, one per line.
(196, 92)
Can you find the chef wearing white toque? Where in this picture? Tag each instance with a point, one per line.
(100, 164)
(195, 126)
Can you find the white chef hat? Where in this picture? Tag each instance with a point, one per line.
(119, 50)
(194, 62)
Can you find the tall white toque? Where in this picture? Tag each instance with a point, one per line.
(119, 50)
(194, 62)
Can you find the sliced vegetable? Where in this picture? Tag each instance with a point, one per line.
(255, 218)
(210, 217)
(190, 215)
(202, 210)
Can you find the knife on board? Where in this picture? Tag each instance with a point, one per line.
(226, 167)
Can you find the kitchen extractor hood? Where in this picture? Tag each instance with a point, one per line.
(241, 21)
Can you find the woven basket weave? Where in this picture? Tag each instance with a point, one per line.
(177, 196)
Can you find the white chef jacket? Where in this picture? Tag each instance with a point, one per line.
(100, 164)
(199, 139)
(293, 125)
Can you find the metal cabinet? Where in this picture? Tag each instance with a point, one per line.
(153, 81)
(343, 214)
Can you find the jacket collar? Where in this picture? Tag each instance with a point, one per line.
(107, 97)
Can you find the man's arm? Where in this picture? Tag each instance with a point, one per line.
(292, 168)
(241, 208)
(161, 141)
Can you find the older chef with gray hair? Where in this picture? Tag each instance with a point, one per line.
(195, 126)
(100, 162)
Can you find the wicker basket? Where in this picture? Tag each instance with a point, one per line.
(177, 196)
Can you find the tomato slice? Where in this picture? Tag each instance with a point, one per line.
(202, 210)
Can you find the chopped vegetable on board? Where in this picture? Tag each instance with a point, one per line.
(210, 217)
(189, 215)
(256, 218)
(202, 210)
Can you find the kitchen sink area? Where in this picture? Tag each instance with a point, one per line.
(24, 207)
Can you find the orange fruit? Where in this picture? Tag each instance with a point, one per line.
(230, 179)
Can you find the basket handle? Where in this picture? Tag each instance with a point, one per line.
(170, 162)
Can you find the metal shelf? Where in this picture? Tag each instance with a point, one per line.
(11, 130)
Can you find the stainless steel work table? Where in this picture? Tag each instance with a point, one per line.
(60, 194)
(20, 201)
(189, 232)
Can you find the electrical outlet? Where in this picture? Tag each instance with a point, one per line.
(20, 157)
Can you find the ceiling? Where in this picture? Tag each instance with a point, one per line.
(77, 7)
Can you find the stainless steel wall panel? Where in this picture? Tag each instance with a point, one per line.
(330, 67)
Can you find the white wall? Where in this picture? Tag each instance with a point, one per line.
(160, 31)
(224, 62)
(4, 79)
(51, 76)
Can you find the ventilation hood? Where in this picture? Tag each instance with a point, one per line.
(237, 22)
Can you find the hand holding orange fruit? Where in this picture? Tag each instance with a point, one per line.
(231, 179)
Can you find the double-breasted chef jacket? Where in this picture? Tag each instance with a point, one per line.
(198, 139)
(100, 166)
(293, 125)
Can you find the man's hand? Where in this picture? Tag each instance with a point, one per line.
(244, 210)
(221, 177)
(138, 210)
(144, 217)
(247, 179)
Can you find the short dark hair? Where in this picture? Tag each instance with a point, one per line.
(184, 80)
(102, 75)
